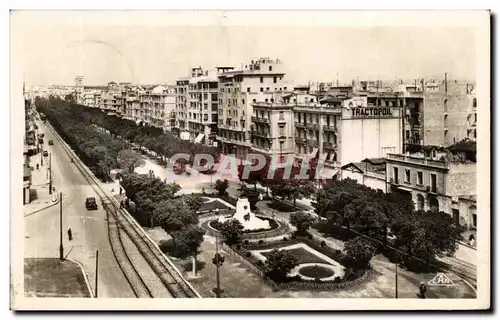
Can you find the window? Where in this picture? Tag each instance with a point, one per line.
(407, 134)
(282, 115)
(261, 89)
(261, 79)
(267, 89)
(205, 96)
(407, 175)
(395, 174)
(445, 105)
(433, 183)
(205, 117)
(420, 178)
(274, 80)
(272, 100)
(265, 100)
(242, 101)
(475, 118)
(282, 130)
(270, 68)
(254, 100)
(284, 88)
(248, 89)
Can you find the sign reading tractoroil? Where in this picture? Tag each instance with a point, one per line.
(371, 113)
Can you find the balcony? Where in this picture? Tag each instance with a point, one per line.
(300, 125)
(330, 128)
(300, 140)
(328, 145)
(313, 126)
(312, 143)
(261, 134)
(260, 120)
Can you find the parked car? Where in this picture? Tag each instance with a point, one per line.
(45, 153)
(90, 203)
(51, 142)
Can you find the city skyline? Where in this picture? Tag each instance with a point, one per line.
(119, 52)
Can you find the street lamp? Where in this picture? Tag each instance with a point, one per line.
(218, 260)
(50, 173)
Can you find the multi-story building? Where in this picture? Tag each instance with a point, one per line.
(440, 181)
(260, 81)
(181, 106)
(169, 108)
(438, 113)
(203, 106)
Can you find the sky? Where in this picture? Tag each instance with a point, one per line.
(54, 51)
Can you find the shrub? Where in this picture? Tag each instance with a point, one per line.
(285, 239)
(238, 247)
(337, 280)
(337, 251)
(310, 237)
(248, 254)
(246, 242)
(260, 263)
(294, 236)
(323, 243)
(261, 242)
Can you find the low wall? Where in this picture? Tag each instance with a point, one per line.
(282, 229)
(296, 285)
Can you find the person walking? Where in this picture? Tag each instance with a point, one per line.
(70, 234)
(423, 290)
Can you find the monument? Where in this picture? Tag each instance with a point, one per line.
(247, 218)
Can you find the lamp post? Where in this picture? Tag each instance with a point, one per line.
(218, 260)
(61, 248)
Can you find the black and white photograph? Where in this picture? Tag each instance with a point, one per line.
(186, 160)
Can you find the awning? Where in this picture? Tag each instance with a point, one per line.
(328, 173)
(199, 138)
(313, 153)
(404, 188)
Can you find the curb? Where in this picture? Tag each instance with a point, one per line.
(38, 210)
(466, 245)
(84, 276)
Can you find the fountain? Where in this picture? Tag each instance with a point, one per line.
(247, 218)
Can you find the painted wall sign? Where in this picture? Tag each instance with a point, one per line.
(371, 113)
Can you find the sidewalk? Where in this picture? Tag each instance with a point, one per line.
(39, 192)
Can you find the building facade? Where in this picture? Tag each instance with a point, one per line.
(439, 183)
(260, 81)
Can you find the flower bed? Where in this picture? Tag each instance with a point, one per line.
(316, 272)
(351, 277)
(280, 229)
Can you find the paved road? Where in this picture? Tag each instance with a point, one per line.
(89, 227)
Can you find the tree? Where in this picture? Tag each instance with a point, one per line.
(426, 234)
(129, 160)
(279, 263)
(231, 230)
(302, 221)
(188, 241)
(221, 186)
(360, 251)
(252, 195)
(194, 202)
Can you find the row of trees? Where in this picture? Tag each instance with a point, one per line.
(97, 149)
(164, 144)
(281, 181)
(158, 205)
(418, 234)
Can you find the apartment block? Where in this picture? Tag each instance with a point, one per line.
(260, 81)
(440, 181)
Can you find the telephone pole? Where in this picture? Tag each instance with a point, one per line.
(396, 293)
(96, 270)
(50, 173)
(61, 248)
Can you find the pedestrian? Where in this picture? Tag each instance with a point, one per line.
(121, 204)
(423, 290)
(472, 240)
(37, 166)
(70, 234)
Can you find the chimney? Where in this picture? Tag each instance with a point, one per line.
(446, 83)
